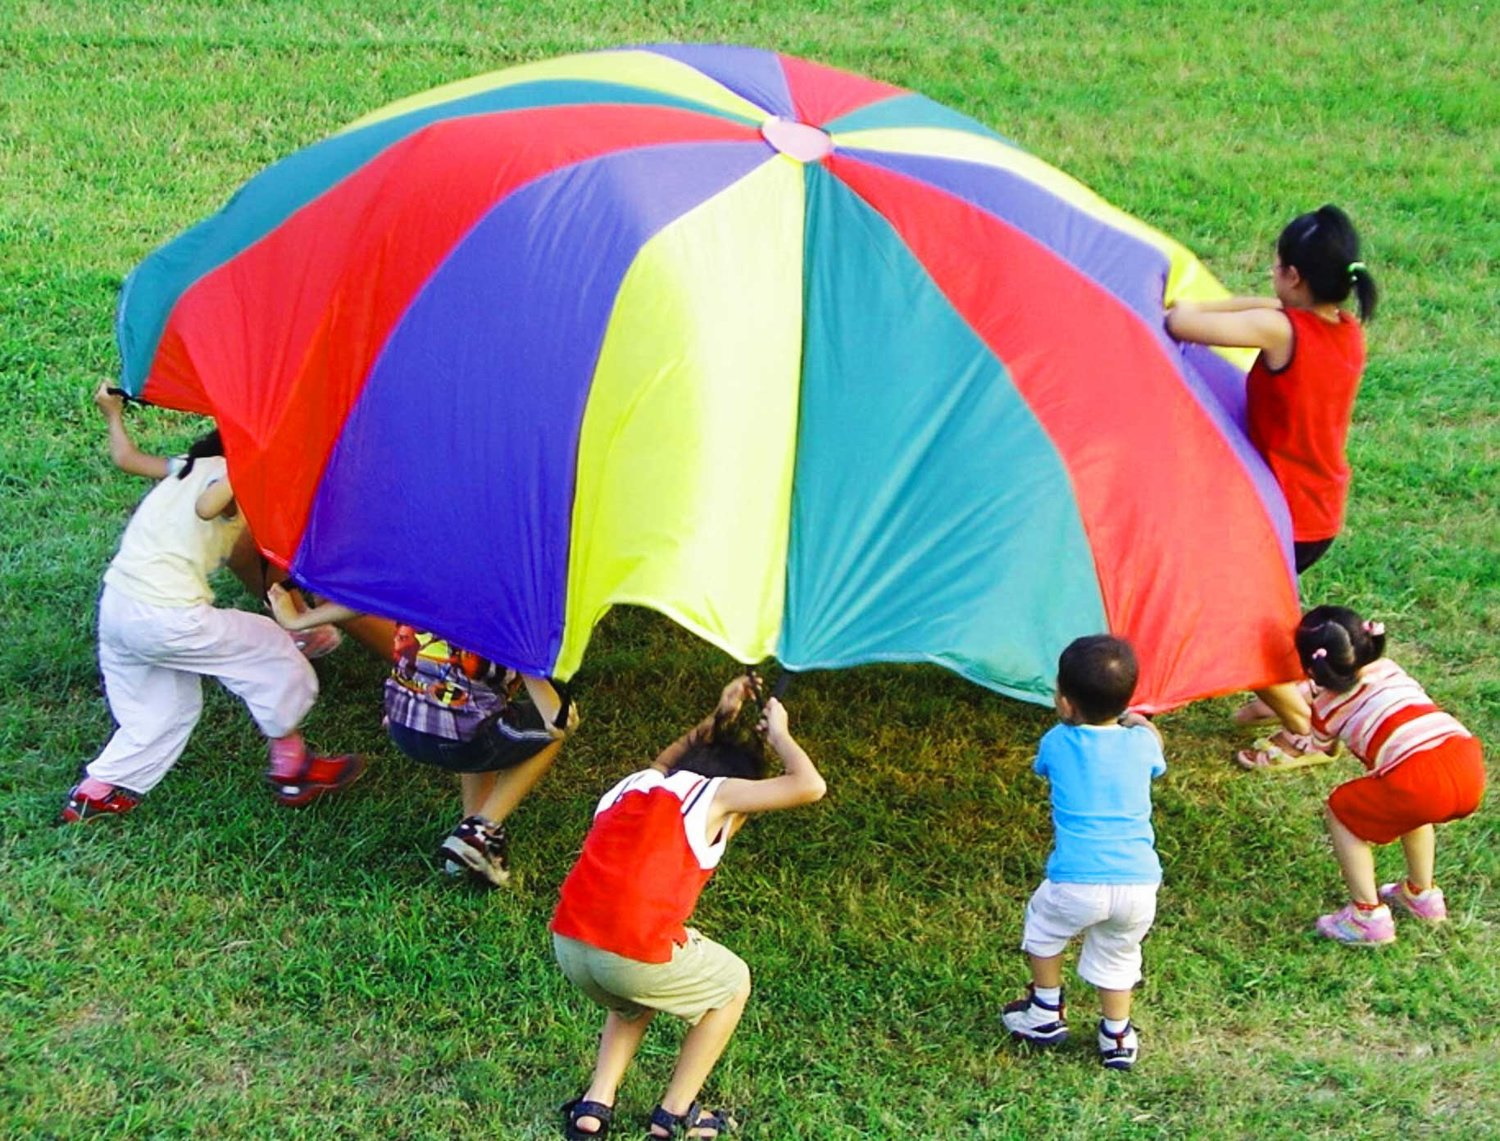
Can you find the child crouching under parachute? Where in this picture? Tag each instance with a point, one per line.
(498, 729)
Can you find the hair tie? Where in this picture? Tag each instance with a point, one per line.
(1375, 629)
(1320, 652)
(1357, 267)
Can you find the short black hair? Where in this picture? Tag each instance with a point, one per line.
(1098, 675)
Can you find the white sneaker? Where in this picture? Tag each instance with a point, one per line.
(1031, 1020)
(1118, 1051)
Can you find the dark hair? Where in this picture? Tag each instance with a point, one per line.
(731, 750)
(209, 444)
(1098, 674)
(1324, 247)
(1335, 643)
(723, 759)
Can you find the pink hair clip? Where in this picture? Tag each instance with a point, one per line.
(1320, 652)
(1375, 629)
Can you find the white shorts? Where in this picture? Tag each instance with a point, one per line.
(1113, 919)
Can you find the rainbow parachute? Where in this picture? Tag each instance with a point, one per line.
(815, 366)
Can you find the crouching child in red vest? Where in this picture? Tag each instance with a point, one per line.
(619, 931)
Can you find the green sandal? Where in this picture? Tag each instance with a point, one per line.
(1271, 753)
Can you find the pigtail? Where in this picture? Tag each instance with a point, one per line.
(1365, 293)
(210, 444)
(1334, 644)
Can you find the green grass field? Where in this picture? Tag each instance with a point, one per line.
(215, 966)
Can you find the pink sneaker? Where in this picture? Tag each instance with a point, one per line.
(1360, 929)
(1429, 905)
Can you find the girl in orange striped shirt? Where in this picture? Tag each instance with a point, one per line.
(1424, 769)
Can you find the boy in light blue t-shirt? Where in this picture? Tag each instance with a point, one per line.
(1103, 872)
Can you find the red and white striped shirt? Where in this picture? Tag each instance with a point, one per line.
(1384, 719)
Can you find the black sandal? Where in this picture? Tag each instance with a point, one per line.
(577, 1108)
(696, 1117)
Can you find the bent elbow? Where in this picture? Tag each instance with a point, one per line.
(816, 789)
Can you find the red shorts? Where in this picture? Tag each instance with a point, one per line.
(1436, 785)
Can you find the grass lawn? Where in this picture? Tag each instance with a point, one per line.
(216, 966)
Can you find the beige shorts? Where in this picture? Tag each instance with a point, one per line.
(702, 976)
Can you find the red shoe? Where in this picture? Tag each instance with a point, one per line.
(317, 777)
(81, 807)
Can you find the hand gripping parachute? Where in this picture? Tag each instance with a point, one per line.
(815, 366)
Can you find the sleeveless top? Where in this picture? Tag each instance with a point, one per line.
(644, 863)
(1299, 419)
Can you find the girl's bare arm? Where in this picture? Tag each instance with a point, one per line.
(122, 449)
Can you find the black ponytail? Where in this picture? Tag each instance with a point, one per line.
(1324, 247)
(207, 445)
(1335, 643)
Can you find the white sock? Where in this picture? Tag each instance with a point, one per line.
(1051, 995)
(1115, 1025)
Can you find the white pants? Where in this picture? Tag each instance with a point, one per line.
(1113, 919)
(153, 658)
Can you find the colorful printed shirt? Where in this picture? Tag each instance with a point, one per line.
(439, 689)
(1384, 719)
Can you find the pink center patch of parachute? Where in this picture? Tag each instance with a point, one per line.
(800, 141)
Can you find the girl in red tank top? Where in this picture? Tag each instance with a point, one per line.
(1299, 400)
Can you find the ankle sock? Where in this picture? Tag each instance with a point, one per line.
(1413, 889)
(94, 788)
(1365, 910)
(1048, 995)
(288, 754)
(1116, 1025)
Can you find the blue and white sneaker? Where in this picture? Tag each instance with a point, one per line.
(1031, 1020)
(1118, 1051)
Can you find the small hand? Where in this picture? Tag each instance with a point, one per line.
(110, 403)
(733, 697)
(773, 721)
(1132, 719)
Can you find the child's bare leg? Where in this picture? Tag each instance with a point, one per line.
(1356, 861)
(508, 787)
(1115, 1004)
(475, 789)
(1289, 704)
(1046, 972)
(1420, 846)
(617, 1046)
(701, 1048)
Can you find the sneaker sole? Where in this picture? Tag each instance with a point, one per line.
(1355, 942)
(475, 864)
(1046, 1043)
